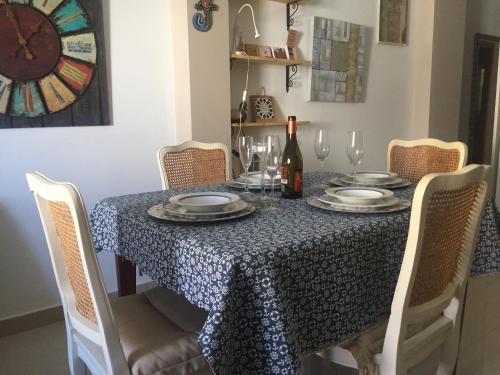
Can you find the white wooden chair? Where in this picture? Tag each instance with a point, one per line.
(425, 319)
(415, 159)
(193, 163)
(127, 337)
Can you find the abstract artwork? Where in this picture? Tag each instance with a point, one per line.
(393, 22)
(338, 61)
(52, 64)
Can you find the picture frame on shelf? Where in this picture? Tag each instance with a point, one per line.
(279, 53)
(393, 22)
(291, 53)
(291, 40)
(266, 51)
(252, 49)
(262, 107)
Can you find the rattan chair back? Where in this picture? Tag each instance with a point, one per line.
(85, 302)
(446, 213)
(193, 163)
(415, 159)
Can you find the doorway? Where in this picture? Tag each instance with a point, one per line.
(482, 140)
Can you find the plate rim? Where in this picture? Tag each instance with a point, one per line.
(210, 213)
(336, 181)
(250, 209)
(177, 198)
(403, 205)
(397, 200)
(385, 194)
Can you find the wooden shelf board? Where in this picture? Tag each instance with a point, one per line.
(268, 60)
(267, 123)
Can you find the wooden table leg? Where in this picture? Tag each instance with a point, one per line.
(125, 275)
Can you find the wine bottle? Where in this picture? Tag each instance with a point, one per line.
(292, 165)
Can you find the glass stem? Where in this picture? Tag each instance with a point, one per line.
(355, 172)
(272, 184)
(262, 187)
(246, 180)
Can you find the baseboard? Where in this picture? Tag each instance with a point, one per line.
(51, 315)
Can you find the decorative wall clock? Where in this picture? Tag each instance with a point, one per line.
(51, 73)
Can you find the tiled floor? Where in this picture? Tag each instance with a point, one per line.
(43, 352)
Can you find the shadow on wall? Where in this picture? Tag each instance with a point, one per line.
(20, 268)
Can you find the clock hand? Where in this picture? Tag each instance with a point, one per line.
(34, 30)
(20, 38)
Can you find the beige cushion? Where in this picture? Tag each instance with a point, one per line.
(177, 309)
(152, 343)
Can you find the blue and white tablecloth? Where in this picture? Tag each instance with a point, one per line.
(278, 286)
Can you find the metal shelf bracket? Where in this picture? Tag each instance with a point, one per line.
(291, 9)
(291, 71)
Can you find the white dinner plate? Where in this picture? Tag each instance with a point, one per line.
(238, 184)
(374, 177)
(159, 212)
(402, 205)
(334, 201)
(256, 177)
(346, 181)
(228, 209)
(204, 202)
(359, 195)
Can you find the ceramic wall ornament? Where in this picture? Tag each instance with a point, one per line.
(203, 19)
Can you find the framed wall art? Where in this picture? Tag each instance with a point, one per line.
(338, 61)
(262, 108)
(393, 22)
(52, 64)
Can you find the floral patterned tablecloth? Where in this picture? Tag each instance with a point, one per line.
(278, 286)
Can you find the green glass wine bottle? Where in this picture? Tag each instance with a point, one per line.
(292, 165)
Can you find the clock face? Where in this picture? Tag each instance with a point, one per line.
(48, 56)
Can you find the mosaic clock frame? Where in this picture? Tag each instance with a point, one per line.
(48, 56)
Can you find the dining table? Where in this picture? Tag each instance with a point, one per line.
(277, 286)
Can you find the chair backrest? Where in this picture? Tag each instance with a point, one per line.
(427, 305)
(193, 163)
(415, 159)
(85, 302)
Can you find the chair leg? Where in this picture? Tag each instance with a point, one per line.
(76, 365)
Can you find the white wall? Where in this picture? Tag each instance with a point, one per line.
(382, 116)
(101, 161)
(201, 66)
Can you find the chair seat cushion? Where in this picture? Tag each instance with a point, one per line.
(152, 343)
(177, 309)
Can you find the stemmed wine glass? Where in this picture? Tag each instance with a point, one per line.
(321, 146)
(245, 146)
(260, 150)
(355, 149)
(273, 162)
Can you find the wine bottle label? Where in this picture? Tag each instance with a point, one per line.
(284, 175)
(297, 181)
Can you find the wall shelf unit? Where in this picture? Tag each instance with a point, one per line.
(291, 65)
(267, 123)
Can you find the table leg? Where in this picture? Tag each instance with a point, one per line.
(125, 275)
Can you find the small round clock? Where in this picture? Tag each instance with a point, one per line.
(48, 56)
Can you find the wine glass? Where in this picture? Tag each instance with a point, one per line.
(273, 161)
(245, 146)
(321, 146)
(355, 149)
(260, 150)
